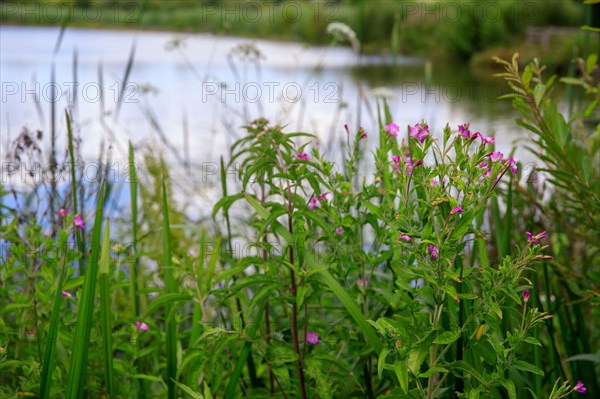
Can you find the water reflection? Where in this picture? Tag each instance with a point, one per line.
(192, 95)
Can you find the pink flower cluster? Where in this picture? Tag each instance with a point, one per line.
(410, 165)
(497, 156)
(313, 201)
(464, 131)
(531, 238)
(420, 131)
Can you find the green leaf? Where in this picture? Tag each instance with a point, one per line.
(349, 304)
(417, 355)
(281, 353)
(105, 311)
(526, 77)
(50, 351)
(381, 361)
(533, 341)
(466, 367)
(170, 288)
(451, 291)
(495, 308)
(261, 296)
(402, 374)
(446, 338)
(510, 388)
(241, 359)
(524, 366)
(585, 357)
(590, 63)
(189, 391)
(148, 377)
(590, 28)
(133, 272)
(77, 368)
(432, 371)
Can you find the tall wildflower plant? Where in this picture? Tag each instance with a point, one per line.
(563, 198)
(370, 285)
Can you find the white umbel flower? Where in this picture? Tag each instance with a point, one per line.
(343, 32)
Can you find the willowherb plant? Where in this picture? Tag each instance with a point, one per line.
(383, 285)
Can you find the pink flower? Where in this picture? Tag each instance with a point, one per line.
(409, 166)
(487, 139)
(458, 209)
(78, 222)
(464, 130)
(512, 164)
(66, 294)
(63, 211)
(317, 144)
(362, 283)
(322, 196)
(483, 164)
(434, 251)
(404, 237)
(420, 131)
(408, 162)
(312, 338)
(141, 326)
(392, 129)
(496, 156)
(526, 295)
(339, 230)
(362, 133)
(433, 182)
(487, 173)
(313, 203)
(579, 387)
(536, 238)
(396, 160)
(303, 156)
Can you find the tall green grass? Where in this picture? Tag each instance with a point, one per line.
(106, 312)
(170, 288)
(85, 318)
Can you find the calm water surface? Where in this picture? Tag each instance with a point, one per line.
(189, 101)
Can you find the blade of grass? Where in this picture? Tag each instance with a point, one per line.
(105, 312)
(75, 80)
(125, 80)
(134, 263)
(50, 351)
(170, 288)
(78, 363)
(53, 192)
(78, 235)
(133, 266)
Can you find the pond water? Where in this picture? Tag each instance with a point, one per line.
(190, 100)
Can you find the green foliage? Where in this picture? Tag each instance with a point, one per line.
(570, 173)
(404, 272)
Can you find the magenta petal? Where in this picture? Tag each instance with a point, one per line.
(312, 338)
